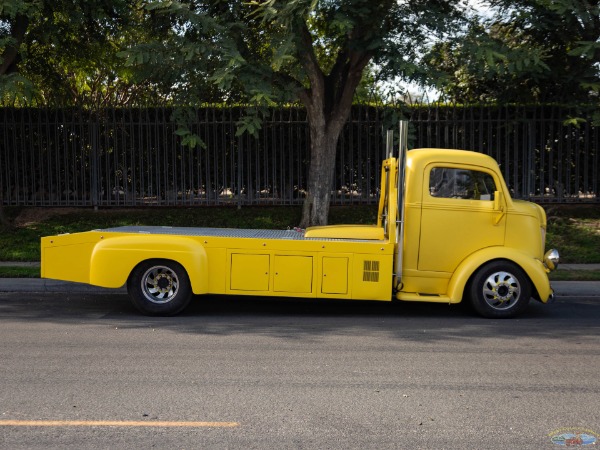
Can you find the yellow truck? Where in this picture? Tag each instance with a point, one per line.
(447, 230)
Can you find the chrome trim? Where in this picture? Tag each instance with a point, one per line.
(401, 193)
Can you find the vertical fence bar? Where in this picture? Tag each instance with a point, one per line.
(93, 164)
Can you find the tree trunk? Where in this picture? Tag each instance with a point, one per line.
(323, 146)
(328, 102)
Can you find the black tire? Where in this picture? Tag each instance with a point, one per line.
(159, 287)
(499, 290)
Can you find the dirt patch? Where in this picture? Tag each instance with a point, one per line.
(592, 225)
(31, 216)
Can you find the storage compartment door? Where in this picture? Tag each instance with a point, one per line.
(249, 272)
(293, 274)
(335, 275)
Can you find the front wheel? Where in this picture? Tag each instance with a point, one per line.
(159, 288)
(499, 290)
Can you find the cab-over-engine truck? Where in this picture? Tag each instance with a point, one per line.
(447, 230)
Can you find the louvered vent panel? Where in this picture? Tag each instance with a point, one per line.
(371, 271)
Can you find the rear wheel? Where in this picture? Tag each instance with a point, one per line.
(499, 290)
(159, 287)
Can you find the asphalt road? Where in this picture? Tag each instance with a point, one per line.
(82, 370)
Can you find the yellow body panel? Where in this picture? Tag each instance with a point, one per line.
(446, 240)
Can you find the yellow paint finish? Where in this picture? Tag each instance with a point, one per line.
(412, 231)
(526, 223)
(372, 277)
(334, 278)
(293, 273)
(453, 229)
(416, 281)
(67, 256)
(249, 272)
(271, 273)
(117, 254)
(58, 262)
(366, 232)
(216, 270)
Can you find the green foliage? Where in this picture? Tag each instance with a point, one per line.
(265, 52)
(574, 275)
(66, 53)
(14, 88)
(532, 50)
(575, 231)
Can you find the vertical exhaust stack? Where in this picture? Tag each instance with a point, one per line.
(402, 149)
(389, 143)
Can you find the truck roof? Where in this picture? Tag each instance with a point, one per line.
(427, 155)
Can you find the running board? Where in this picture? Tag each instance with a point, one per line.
(422, 297)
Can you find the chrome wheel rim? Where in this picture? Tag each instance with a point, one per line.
(160, 284)
(501, 290)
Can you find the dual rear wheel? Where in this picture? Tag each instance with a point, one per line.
(159, 287)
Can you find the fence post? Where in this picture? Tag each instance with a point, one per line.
(239, 172)
(530, 168)
(94, 164)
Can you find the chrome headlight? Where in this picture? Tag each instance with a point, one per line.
(551, 259)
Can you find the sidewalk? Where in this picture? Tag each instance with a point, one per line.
(561, 288)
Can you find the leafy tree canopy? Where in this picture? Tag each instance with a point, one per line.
(312, 51)
(65, 53)
(526, 51)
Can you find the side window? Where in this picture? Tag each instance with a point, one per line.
(447, 182)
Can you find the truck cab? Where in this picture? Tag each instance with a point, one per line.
(466, 238)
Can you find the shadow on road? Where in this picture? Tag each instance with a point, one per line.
(296, 318)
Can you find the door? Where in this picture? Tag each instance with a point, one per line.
(457, 216)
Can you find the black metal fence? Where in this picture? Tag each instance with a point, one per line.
(133, 157)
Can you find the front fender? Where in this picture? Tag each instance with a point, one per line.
(534, 269)
(113, 258)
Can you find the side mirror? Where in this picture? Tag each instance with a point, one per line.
(498, 201)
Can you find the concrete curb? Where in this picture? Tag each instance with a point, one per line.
(56, 286)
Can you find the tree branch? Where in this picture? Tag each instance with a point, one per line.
(346, 87)
(308, 59)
